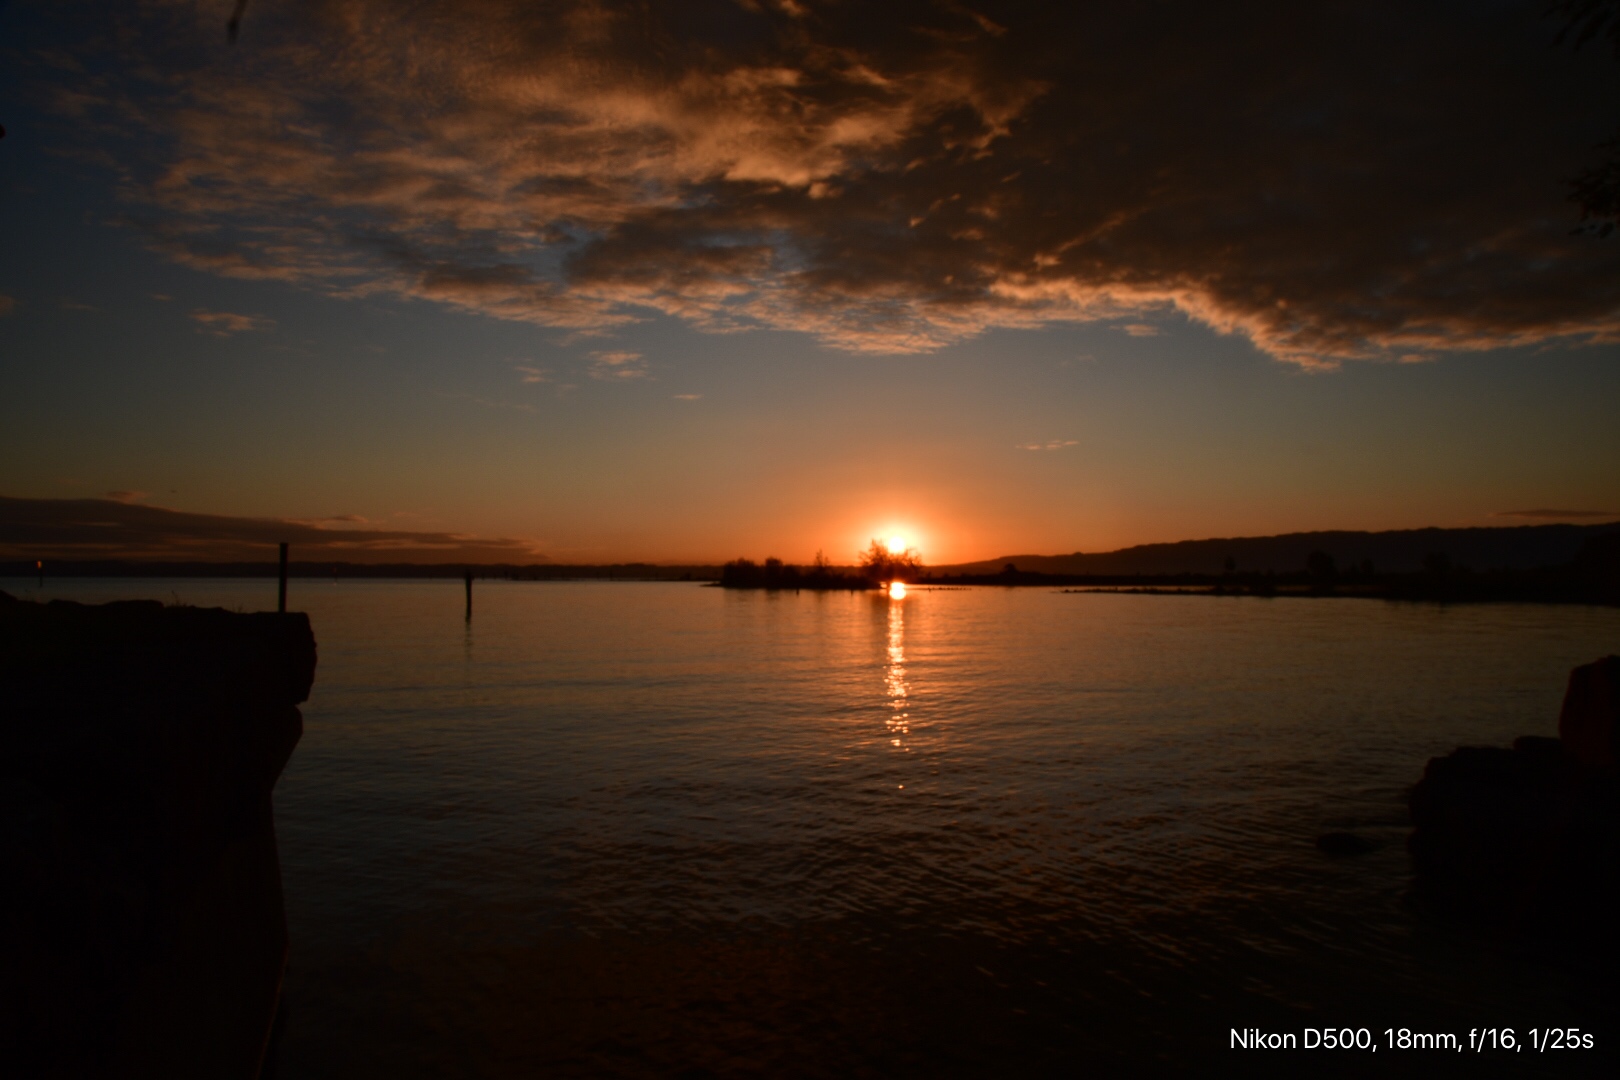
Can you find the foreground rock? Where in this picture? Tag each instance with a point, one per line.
(142, 922)
(1528, 839)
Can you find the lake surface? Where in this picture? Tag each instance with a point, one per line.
(632, 829)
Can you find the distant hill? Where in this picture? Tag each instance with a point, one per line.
(1520, 547)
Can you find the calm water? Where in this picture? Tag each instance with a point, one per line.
(619, 829)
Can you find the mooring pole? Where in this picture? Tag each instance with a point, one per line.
(39, 564)
(281, 590)
(469, 595)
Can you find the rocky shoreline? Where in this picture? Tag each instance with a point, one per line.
(139, 744)
(1526, 841)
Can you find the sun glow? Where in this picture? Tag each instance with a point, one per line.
(895, 544)
(897, 590)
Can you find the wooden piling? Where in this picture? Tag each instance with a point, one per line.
(281, 590)
(468, 579)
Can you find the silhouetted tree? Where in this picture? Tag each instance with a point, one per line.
(1320, 565)
(1597, 190)
(880, 564)
(1587, 19)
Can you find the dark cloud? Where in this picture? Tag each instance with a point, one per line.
(120, 528)
(1332, 180)
(1557, 515)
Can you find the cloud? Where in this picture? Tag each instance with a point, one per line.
(688, 397)
(1140, 330)
(1557, 515)
(1055, 444)
(530, 374)
(6, 304)
(126, 496)
(1331, 181)
(225, 323)
(618, 365)
(116, 528)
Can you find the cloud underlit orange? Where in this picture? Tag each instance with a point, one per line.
(1332, 181)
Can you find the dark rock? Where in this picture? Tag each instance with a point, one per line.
(142, 923)
(1526, 839)
(1340, 844)
(1588, 722)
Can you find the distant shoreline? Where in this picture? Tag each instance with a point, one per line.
(1546, 563)
(111, 568)
(1575, 583)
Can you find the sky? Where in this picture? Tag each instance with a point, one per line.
(593, 281)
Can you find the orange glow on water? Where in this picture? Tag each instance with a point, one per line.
(897, 590)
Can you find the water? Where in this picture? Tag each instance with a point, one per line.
(628, 829)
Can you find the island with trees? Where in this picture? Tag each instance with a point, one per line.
(880, 566)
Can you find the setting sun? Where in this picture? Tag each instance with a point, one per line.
(896, 544)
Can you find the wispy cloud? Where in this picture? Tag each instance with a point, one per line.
(1557, 515)
(530, 374)
(331, 520)
(889, 178)
(6, 304)
(1055, 444)
(126, 497)
(618, 365)
(1140, 329)
(226, 323)
(503, 404)
(688, 397)
(123, 529)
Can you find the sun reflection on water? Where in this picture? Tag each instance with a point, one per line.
(895, 684)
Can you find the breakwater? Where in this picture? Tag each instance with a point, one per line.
(139, 744)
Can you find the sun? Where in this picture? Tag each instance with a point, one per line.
(895, 544)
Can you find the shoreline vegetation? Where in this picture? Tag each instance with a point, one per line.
(880, 565)
(1591, 577)
(1538, 564)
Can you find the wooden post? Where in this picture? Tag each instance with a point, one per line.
(281, 591)
(469, 595)
(39, 564)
